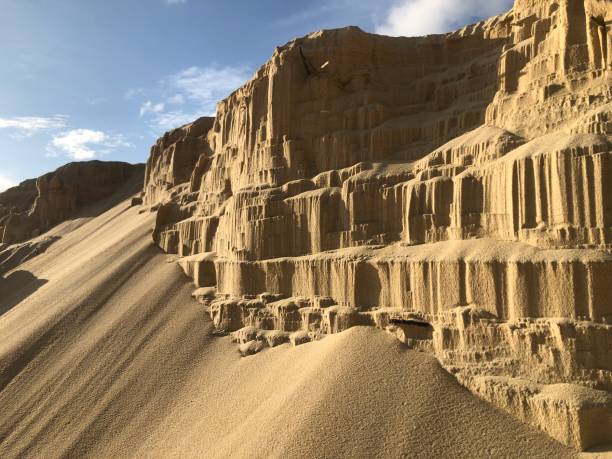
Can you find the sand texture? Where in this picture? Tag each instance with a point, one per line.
(111, 357)
(454, 191)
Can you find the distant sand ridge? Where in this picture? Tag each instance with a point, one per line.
(35, 206)
(454, 189)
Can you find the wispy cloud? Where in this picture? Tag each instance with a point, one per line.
(94, 101)
(300, 17)
(173, 119)
(394, 17)
(206, 85)
(134, 93)
(325, 14)
(80, 144)
(175, 2)
(150, 107)
(26, 126)
(177, 99)
(6, 183)
(191, 93)
(422, 17)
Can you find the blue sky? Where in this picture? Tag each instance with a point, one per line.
(83, 79)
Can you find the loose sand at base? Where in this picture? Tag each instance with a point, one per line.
(109, 356)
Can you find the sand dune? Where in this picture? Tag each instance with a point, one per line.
(109, 356)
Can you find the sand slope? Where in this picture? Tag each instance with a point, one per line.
(106, 355)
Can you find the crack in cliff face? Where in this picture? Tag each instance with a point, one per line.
(459, 182)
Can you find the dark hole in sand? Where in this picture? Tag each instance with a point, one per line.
(414, 329)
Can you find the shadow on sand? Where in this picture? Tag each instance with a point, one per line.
(16, 287)
(598, 452)
(14, 255)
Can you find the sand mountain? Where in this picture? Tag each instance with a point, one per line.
(453, 190)
(104, 353)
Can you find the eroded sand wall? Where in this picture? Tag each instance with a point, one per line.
(462, 181)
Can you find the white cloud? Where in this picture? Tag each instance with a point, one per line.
(422, 17)
(26, 126)
(177, 99)
(175, 2)
(6, 183)
(96, 101)
(173, 119)
(207, 85)
(80, 144)
(196, 90)
(134, 93)
(150, 107)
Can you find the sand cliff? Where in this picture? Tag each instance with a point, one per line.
(37, 205)
(453, 189)
(105, 354)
